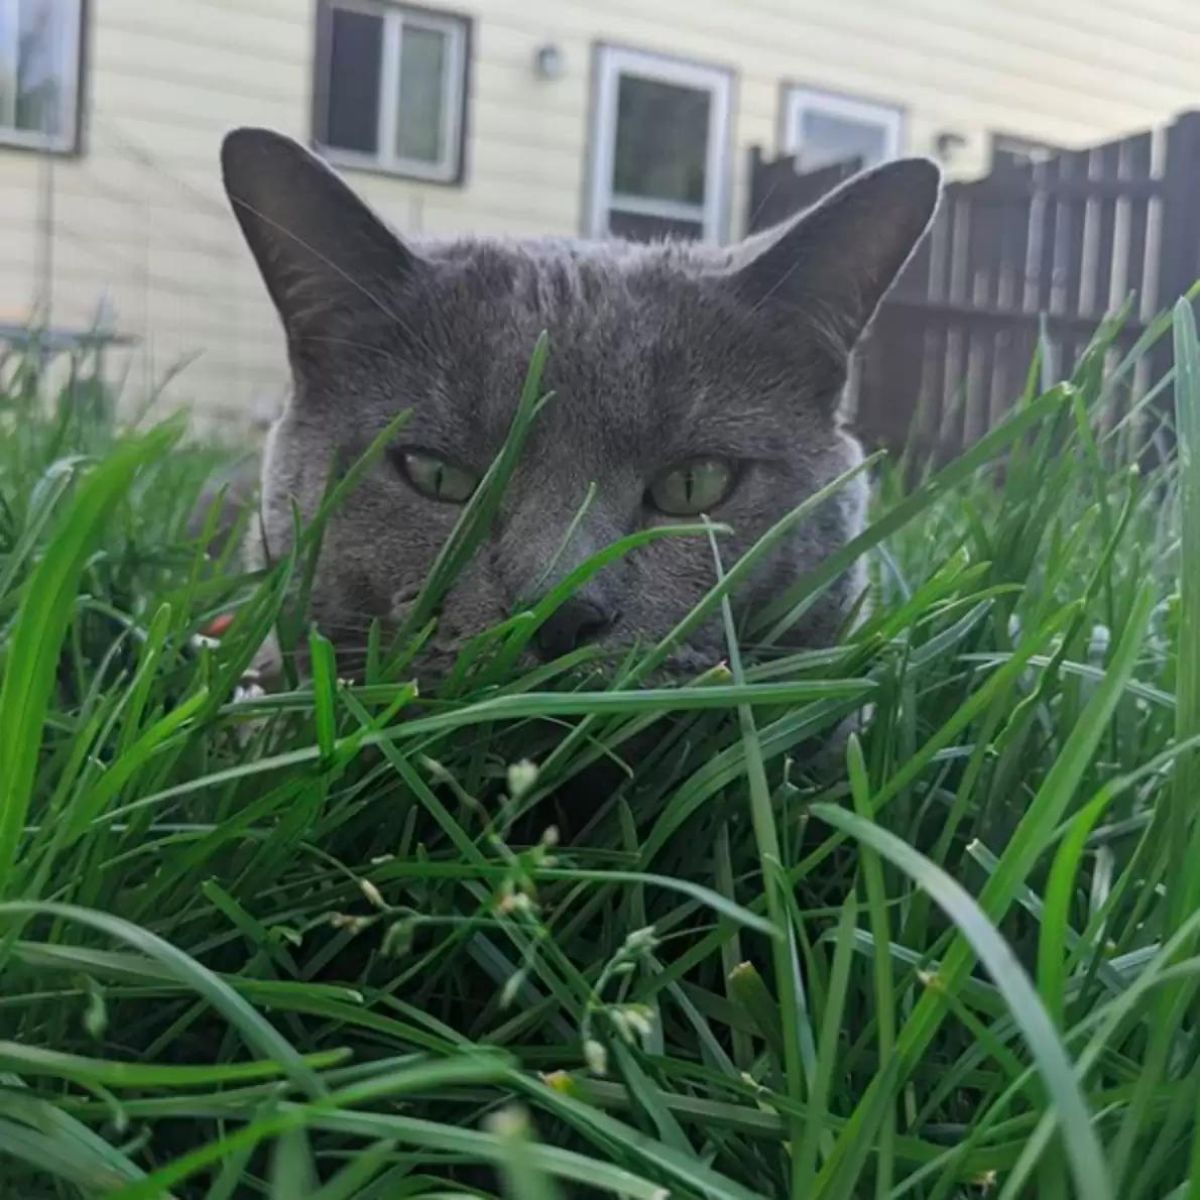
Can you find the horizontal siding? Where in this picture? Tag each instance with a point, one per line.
(140, 219)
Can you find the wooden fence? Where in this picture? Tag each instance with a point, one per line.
(1052, 245)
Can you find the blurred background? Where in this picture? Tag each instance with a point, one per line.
(1065, 128)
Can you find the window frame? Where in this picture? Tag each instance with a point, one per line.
(800, 98)
(458, 28)
(610, 62)
(68, 143)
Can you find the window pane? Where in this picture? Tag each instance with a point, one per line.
(423, 55)
(355, 63)
(662, 140)
(826, 139)
(638, 227)
(40, 83)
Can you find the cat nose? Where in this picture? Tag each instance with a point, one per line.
(573, 624)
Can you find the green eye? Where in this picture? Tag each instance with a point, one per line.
(436, 478)
(692, 487)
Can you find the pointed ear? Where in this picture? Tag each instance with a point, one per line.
(834, 263)
(326, 259)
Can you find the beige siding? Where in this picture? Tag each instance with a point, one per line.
(138, 220)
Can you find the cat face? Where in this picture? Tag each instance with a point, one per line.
(686, 380)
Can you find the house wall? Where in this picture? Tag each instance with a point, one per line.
(138, 221)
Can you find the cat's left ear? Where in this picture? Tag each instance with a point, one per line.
(834, 263)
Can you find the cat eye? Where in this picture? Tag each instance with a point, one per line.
(436, 478)
(691, 488)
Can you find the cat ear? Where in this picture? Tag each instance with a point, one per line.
(834, 263)
(325, 257)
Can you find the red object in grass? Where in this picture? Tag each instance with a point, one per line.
(217, 626)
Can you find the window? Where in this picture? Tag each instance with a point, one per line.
(39, 73)
(1011, 151)
(660, 147)
(821, 129)
(391, 88)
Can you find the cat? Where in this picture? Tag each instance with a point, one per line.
(688, 379)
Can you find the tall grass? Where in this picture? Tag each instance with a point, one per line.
(326, 944)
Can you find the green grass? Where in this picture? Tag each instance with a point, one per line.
(325, 944)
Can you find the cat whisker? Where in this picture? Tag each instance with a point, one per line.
(382, 351)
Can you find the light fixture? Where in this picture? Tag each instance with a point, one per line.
(947, 144)
(549, 62)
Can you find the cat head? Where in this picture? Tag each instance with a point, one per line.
(687, 379)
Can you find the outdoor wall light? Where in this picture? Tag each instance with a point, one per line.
(947, 144)
(549, 62)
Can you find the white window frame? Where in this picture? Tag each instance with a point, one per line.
(69, 52)
(801, 100)
(395, 18)
(612, 62)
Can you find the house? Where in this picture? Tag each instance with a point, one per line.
(520, 116)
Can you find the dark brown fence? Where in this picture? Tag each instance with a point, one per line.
(1048, 247)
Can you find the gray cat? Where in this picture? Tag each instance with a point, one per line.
(688, 379)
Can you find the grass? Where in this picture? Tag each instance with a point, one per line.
(325, 944)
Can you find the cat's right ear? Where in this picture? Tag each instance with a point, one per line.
(833, 264)
(327, 260)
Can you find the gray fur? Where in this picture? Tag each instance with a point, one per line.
(658, 354)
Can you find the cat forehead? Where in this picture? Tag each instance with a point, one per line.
(614, 257)
(621, 316)
(641, 335)
(554, 275)
(642, 360)
(618, 314)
